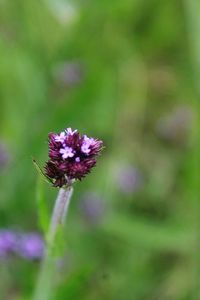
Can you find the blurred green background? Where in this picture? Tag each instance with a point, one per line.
(127, 72)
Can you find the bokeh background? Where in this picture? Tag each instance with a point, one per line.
(127, 72)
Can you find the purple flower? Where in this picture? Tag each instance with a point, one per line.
(92, 207)
(129, 180)
(176, 126)
(4, 156)
(71, 156)
(31, 246)
(8, 242)
(69, 74)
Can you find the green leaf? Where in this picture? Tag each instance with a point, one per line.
(149, 235)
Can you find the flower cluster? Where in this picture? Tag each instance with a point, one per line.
(71, 156)
(27, 245)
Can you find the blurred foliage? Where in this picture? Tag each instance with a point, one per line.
(120, 71)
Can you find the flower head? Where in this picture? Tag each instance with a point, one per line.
(71, 156)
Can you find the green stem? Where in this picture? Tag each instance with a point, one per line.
(44, 285)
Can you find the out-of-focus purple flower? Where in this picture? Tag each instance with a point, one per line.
(175, 126)
(69, 74)
(8, 242)
(162, 79)
(4, 156)
(31, 246)
(129, 180)
(92, 207)
(72, 156)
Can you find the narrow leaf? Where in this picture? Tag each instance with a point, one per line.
(40, 171)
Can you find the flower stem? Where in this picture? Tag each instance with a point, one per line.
(44, 285)
(60, 211)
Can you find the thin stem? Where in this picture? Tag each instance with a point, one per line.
(60, 211)
(44, 286)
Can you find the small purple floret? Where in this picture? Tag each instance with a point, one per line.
(60, 137)
(69, 131)
(66, 152)
(85, 149)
